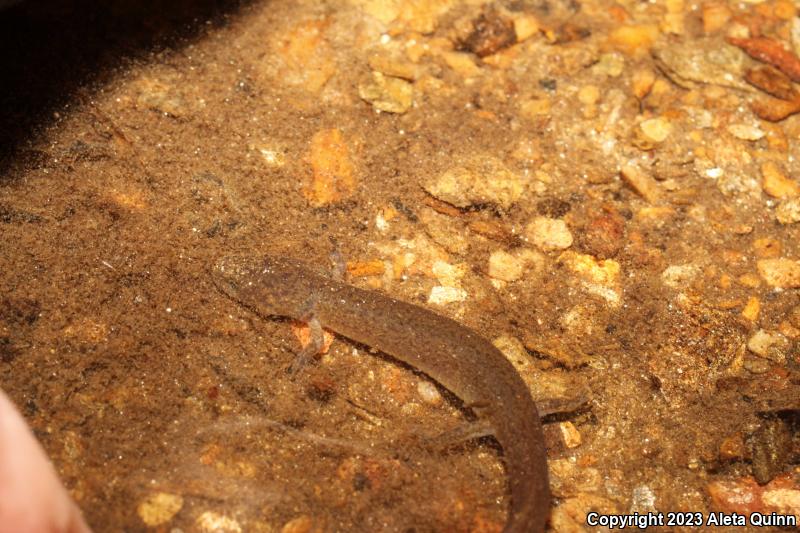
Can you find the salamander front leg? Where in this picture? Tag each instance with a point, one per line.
(316, 341)
(339, 265)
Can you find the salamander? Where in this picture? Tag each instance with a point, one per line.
(456, 357)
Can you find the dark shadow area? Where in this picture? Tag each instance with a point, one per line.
(50, 50)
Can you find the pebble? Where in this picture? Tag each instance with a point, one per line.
(461, 63)
(570, 434)
(570, 514)
(447, 273)
(746, 132)
(599, 277)
(483, 179)
(742, 229)
(642, 81)
(744, 496)
(656, 216)
(385, 11)
(674, 20)
(752, 309)
(505, 266)
(644, 184)
(589, 94)
(775, 182)
(688, 63)
(387, 93)
(333, 177)
(780, 272)
(525, 26)
(605, 272)
(361, 269)
(211, 522)
(750, 280)
(656, 129)
(382, 219)
(533, 108)
(301, 524)
(769, 345)
(715, 16)
(604, 234)
(733, 448)
(788, 330)
(679, 276)
(491, 32)
(787, 500)
(159, 508)
(305, 56)
(549, 234)
(643, 499)
(788, 211)
(513, 349)
(394, 67)
(422, 16)
(767, 247)
(634, 38)
(429, 393)
(794, 316)
(611, 64)
(755, 365)
(442, 295)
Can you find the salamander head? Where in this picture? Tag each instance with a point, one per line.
(268, 285)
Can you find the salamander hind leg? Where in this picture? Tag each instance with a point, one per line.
(455, 437)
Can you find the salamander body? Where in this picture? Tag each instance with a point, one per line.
(458, 358)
